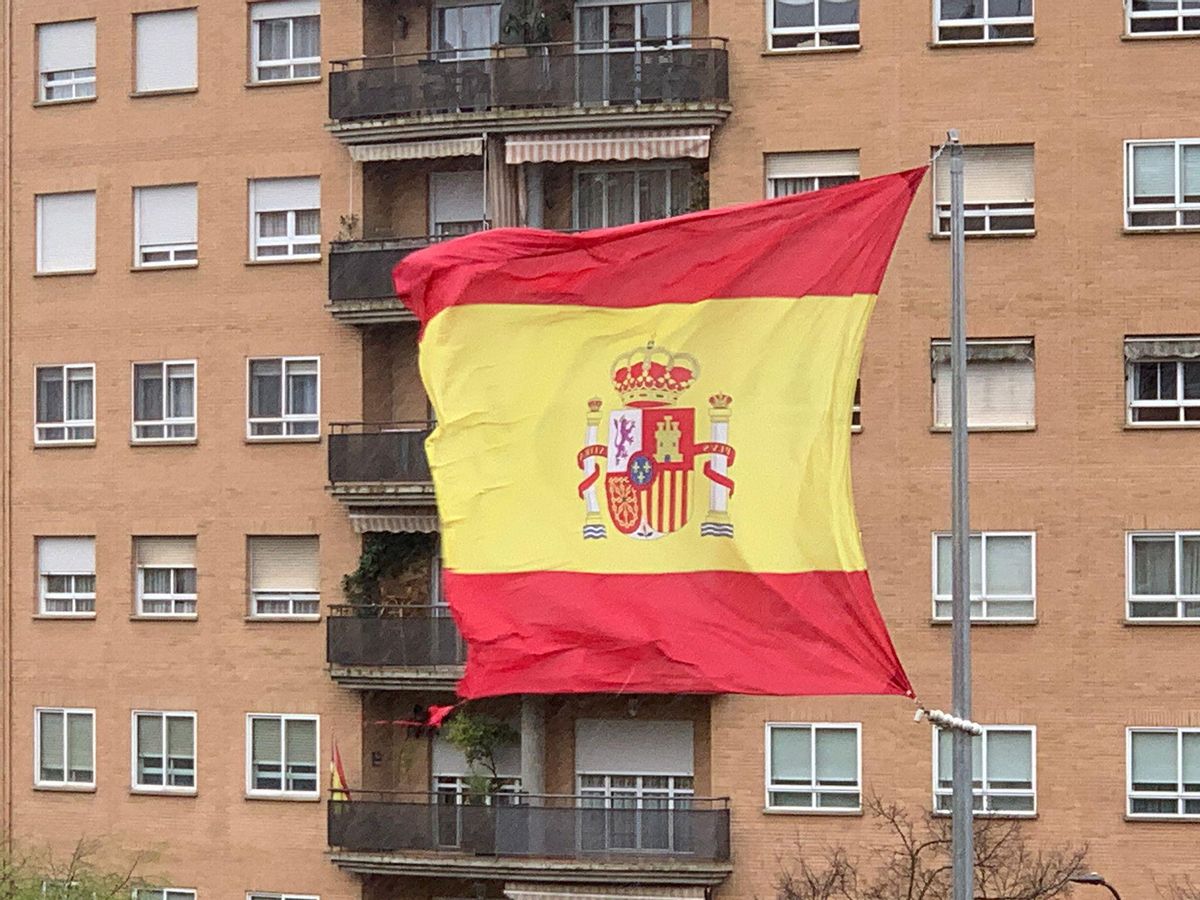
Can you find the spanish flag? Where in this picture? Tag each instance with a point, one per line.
(642, 457)
(337, 777)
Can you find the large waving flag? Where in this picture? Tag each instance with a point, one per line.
(642, 457)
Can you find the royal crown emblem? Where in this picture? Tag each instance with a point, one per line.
(651, 451)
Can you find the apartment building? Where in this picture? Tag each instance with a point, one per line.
(212, 414)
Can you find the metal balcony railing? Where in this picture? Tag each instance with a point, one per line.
(542, 76)
(552, 826)
(392, 636)
(362, 270)
(378, 452)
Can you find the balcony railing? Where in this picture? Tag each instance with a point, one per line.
(392, 637)
(560, 827)
(543, 76)
(378, 453)
(362, 270)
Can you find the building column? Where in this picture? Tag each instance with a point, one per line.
(535, 194)
(533, 744)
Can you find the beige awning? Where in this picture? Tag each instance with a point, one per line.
(399, 523)
(598, 146)
(417, 149)
(596, 892)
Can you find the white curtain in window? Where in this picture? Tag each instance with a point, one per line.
(281, 194)
(1000, 393)
(1191, 761)
(1009, 565)
(791, 754)
(67, 555)
(166, 50)
(1010, 756)
(67, 45)
(66, 231)
(284, 563)
(284, 9)
(1155, 757)
(1189, 566)
(1189, 165)
(994, 174)
(166, 214)
(1154, 565)
(302, 387)
(166, 552)
(946, 757)
(837, 754)
(945, 562)
(1154, 171)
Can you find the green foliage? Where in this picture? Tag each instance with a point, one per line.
(531, 21)
(479, 737)
(78, 876)
(698, 198)
(394, 569)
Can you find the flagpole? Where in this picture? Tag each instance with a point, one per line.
(962, 833)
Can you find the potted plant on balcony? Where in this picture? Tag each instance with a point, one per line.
(394, 573)
(525, 23)
(480, 737)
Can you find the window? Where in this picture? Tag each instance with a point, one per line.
(285, 215)
(1147, 17)
(1162, 183)
(166, 50)
(1000, 384)
(997, 188)
(455, 203)
(164, 401)
(258, 895)
(799, 173)
(285, 40)
(66, 232)
(1164, 575)
(621, 196)
(964, 21)
(66, 749)
(1163, 381)
(636, 812)
(284, 397)
(281, 755)
(67, 60)
(164, 894)
(813, 768)
(465, 30)
(1164, 772)
(166, 576)
(67, 576)
(605, 26)
(1002, 576)
(284, 577)
(164, 752)
(810, 24)
(165, 226)
(856, 409)
(65, 405)
(1002, 767)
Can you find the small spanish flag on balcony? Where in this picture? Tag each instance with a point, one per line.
(337, 777)
(642, 458)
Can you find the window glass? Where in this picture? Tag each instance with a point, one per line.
(1154, 565)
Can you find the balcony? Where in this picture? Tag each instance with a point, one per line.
(374, 463)
(396, 647)
(576, 84)
(537, 838)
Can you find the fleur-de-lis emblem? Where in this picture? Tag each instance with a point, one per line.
(641, 470)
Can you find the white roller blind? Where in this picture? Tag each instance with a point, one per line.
(837, 754)
(166, 552)
(1000, 174)
(284, 9)
(67, 45)
(1155, 757)
(617, 746)
(277, 194)
(1154, 170)
(166, 50)
(66, 232)
(284, 564)
(812, 164)
(167, 214)
(457, 196)
(448, 760)
(791, 754)
(1010, 756)
(67, 555)
(999, 393)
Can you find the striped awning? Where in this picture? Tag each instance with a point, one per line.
(398, 523)
(596, 892)
(598, 146)
(417, 149)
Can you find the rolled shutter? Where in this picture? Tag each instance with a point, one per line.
(79, 742)
(812, 164)
(1165, 349)
(282, 194)
(837, 754)
(167, 214)
(301, 746)
(613, 746)
(997, 174)
(1000, 393)
(1155, 757)
(66, 231)
(67, 45)
(167, 552)
(50, 726)
(284, 564)
(181, 736)
(1010, 756)
(791, 754)
(166, 50)
(149, 729)
(67, 556)
(284, 9)
(266, 739)
(1154, 170)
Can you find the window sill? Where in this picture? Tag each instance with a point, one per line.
(164, 617)
(984, 814)
(989, 623)
(982, 42)
(1161, 426)
(1167, 229)
(64, 102)
(304, 620)
(1160, 36)
(62, 445)
(1162, 623)
(64, 617)
(283, 260)
(283, 82)
(983, 429)
(163, 442)
(66, 788)
(812, 51)
(299, 439)
(785, 811)
(65, 273)
(190, 264)
(984, 235)
(165, 92)
(286, 798)
(162, 792)
(1130, 817)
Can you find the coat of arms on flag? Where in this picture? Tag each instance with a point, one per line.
(651, 451)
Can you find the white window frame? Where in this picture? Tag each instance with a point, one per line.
(856, 408)
(180, 255)
(1180, 15)
(75, 596)
(283, 792)
(290, 240)
(1180, 404)
(163, 788)
(457, 54)
(76, 78)
(983, 793)
(1180, 599)
(164, 894)
(945, 427)
(266, 895)
(1179, 208)
(678, 800)
(985, 22)
(819, 183)
(289, 63)
(1180, 796)
(179, 601)
(169, 424)
(66, 784)
(293, 600)
(985, 598)
(816, 31)
(815, 788)
(673, 170)
(67, 425)
(287, 420)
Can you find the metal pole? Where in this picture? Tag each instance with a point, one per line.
(962, 834)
